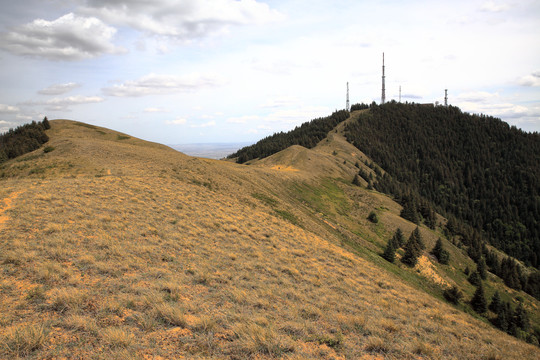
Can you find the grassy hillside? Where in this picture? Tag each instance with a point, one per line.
(112, 247)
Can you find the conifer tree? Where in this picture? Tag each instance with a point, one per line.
(418, 238)
(502, 319)
(398, 239)
(481, 268)
(521, 318)
(46, 124)
(390, 252)
(356, 180)
(496, 303)
(409, 211)
(413, 248)
(478, 301)
(474, 278)
(440, 253)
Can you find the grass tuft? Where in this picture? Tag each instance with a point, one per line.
(23, 340)
(377, 345)
(117, 337)
(170, 314)
(254, 339)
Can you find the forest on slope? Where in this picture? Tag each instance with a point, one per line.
(307, 135)
(23, 139)
(475, 168)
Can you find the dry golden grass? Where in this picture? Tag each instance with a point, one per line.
(126, 249)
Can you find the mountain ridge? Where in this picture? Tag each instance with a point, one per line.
(115, 247)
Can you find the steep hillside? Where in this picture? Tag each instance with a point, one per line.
(113, 247)
(473, 167)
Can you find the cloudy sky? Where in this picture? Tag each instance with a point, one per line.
(200, 71)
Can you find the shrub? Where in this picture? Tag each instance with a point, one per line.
(453, 295)
(373, 217)
(48, 149)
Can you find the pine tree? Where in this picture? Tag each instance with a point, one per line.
(474, 278)
(398, 239)
(521, 318)
(478, 301)
(409, 211)
(496, 303)
(440, 253)
(356, 180)
(390, 252)
(413, 248)
(481, 268)
(502, 319)
(418, 238)
(46, 124)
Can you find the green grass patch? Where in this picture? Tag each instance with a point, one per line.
(86, 125)
(327, 198)
(48, 149)
(287, 216)
(265, 199)
(27, 158)
(122, 137)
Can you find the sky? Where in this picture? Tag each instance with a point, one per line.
(205, 71)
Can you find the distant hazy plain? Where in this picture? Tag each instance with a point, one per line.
(209, 150)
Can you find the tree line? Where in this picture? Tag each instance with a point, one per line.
(23, 139)
(308, 135)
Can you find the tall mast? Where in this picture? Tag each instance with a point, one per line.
(347, 103)
(383, 95)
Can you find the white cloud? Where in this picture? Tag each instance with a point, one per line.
(203, 125)
(530, 80)
(491, 6)
(59, 89)
(154, 110)
(182, 19)
(154, 84)
(8, 109)
(297, 116)
(280, 102)
(69, 37)
(243, 119)
(476, 97)
(24, 117)
(61, 104)
(177, 121)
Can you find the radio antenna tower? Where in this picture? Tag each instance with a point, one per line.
(446, 97)
(347, 103)
(383, 95)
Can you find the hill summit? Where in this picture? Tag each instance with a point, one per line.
(113, 247)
